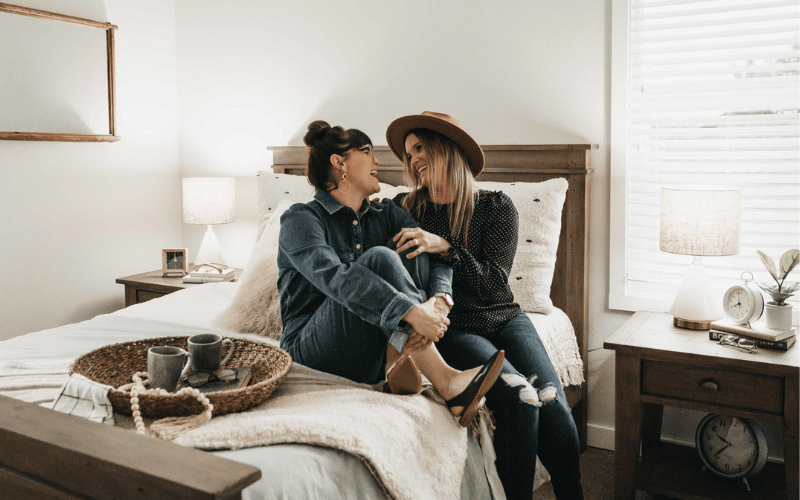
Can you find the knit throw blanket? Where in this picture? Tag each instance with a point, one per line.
(411, 444)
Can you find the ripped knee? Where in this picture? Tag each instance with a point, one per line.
(527, 393)
(548, 393)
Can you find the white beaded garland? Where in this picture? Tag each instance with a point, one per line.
(139, 389)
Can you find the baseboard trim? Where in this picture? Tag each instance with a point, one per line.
(600, 436)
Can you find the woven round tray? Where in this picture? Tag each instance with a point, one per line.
(115, 364)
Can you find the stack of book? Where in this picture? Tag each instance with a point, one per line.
(209, 275)
(764, 337)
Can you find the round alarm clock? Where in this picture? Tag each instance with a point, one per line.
(743, 304)
(731, 447)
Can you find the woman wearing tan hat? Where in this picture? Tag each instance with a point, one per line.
(476, 231)
(348, 302)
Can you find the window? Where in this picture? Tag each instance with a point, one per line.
(704, 92)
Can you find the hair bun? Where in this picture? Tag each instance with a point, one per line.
(316, 132)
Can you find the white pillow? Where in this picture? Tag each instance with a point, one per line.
(256, 306)
(539, 205)
(272, 188)
(389, 191)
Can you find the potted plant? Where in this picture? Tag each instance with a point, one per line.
(778, 312)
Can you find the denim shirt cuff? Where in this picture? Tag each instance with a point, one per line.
(395, 311)
(440, 286)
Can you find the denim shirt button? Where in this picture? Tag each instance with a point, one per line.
(355, 222)
(358, 246)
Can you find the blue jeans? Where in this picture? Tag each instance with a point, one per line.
(337, 341)
(523, 429)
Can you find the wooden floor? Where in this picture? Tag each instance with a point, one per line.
(597, 473)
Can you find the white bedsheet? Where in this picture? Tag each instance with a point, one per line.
(197, 306)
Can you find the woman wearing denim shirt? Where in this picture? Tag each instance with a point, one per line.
(476, 231)
(349, 302)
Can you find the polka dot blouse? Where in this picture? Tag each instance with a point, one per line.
(482, 295)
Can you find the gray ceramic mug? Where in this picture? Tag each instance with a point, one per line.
(206, 351)
(166, 365)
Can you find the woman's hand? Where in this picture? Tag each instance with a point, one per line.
(423, 241)
(416, 342)
(427, 321)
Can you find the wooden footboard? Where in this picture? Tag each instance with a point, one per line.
(45, 454)
(525, 163)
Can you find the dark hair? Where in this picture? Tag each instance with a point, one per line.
(324, 141)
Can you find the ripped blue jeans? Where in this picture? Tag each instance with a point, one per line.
(530, 420)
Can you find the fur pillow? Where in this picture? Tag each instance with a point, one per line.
(539, 205)
(256, 306)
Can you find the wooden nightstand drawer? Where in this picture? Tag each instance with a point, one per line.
(723, 387)
(145, 295)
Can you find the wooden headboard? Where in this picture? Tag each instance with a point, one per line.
(569, 291)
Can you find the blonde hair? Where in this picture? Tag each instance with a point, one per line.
(444, 154)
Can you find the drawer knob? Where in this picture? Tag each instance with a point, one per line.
(709, 384)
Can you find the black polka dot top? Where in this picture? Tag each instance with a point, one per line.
(482, 295)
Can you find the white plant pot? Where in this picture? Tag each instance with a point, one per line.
(778, 317)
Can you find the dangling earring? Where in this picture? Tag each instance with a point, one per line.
(344, 185)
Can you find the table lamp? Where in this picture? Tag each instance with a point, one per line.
(701, 221)
(209, 201)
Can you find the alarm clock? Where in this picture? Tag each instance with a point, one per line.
(731, 447)
(743, 304)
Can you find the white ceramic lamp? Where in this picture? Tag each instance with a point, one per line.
(702, 221)
(209, 201)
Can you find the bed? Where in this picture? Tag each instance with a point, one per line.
(46, 454)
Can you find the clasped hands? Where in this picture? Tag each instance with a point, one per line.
(429, 321)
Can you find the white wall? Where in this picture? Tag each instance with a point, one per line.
(253, 74)
(76, 216)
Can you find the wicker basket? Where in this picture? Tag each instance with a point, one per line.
(115, 364)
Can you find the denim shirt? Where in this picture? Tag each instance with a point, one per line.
(319, 244)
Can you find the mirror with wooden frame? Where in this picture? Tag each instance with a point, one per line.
(65, 91)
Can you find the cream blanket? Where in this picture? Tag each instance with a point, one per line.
(411, 444)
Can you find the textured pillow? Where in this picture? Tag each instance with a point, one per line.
(272, 188)
(256, 306)
(539, 205)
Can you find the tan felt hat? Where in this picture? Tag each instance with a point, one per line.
(438, 122)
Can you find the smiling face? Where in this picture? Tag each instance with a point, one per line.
(422, 165)
(361, 167)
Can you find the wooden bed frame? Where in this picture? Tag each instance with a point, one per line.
(50, 455)
(569, 291)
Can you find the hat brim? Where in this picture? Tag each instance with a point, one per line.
(398, 130)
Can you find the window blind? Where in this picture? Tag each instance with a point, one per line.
(713, 98)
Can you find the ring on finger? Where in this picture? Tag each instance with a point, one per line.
(416, 243)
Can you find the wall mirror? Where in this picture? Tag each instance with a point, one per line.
(57, 77)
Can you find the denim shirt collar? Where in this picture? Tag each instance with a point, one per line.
(332, 205)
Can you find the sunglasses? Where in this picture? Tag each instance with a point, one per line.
(202, 378)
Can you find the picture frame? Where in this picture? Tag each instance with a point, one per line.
(174, 261)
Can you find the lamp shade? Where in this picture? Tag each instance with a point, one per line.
(209, 200)
(700, 221)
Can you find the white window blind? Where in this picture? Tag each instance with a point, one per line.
(712, 97)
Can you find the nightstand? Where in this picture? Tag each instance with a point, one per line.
(151, 285)
(658, 364)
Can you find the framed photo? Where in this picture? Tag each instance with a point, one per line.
(174, 261)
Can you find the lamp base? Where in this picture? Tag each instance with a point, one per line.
(691, 324)
(210, 252)
(695, 306)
